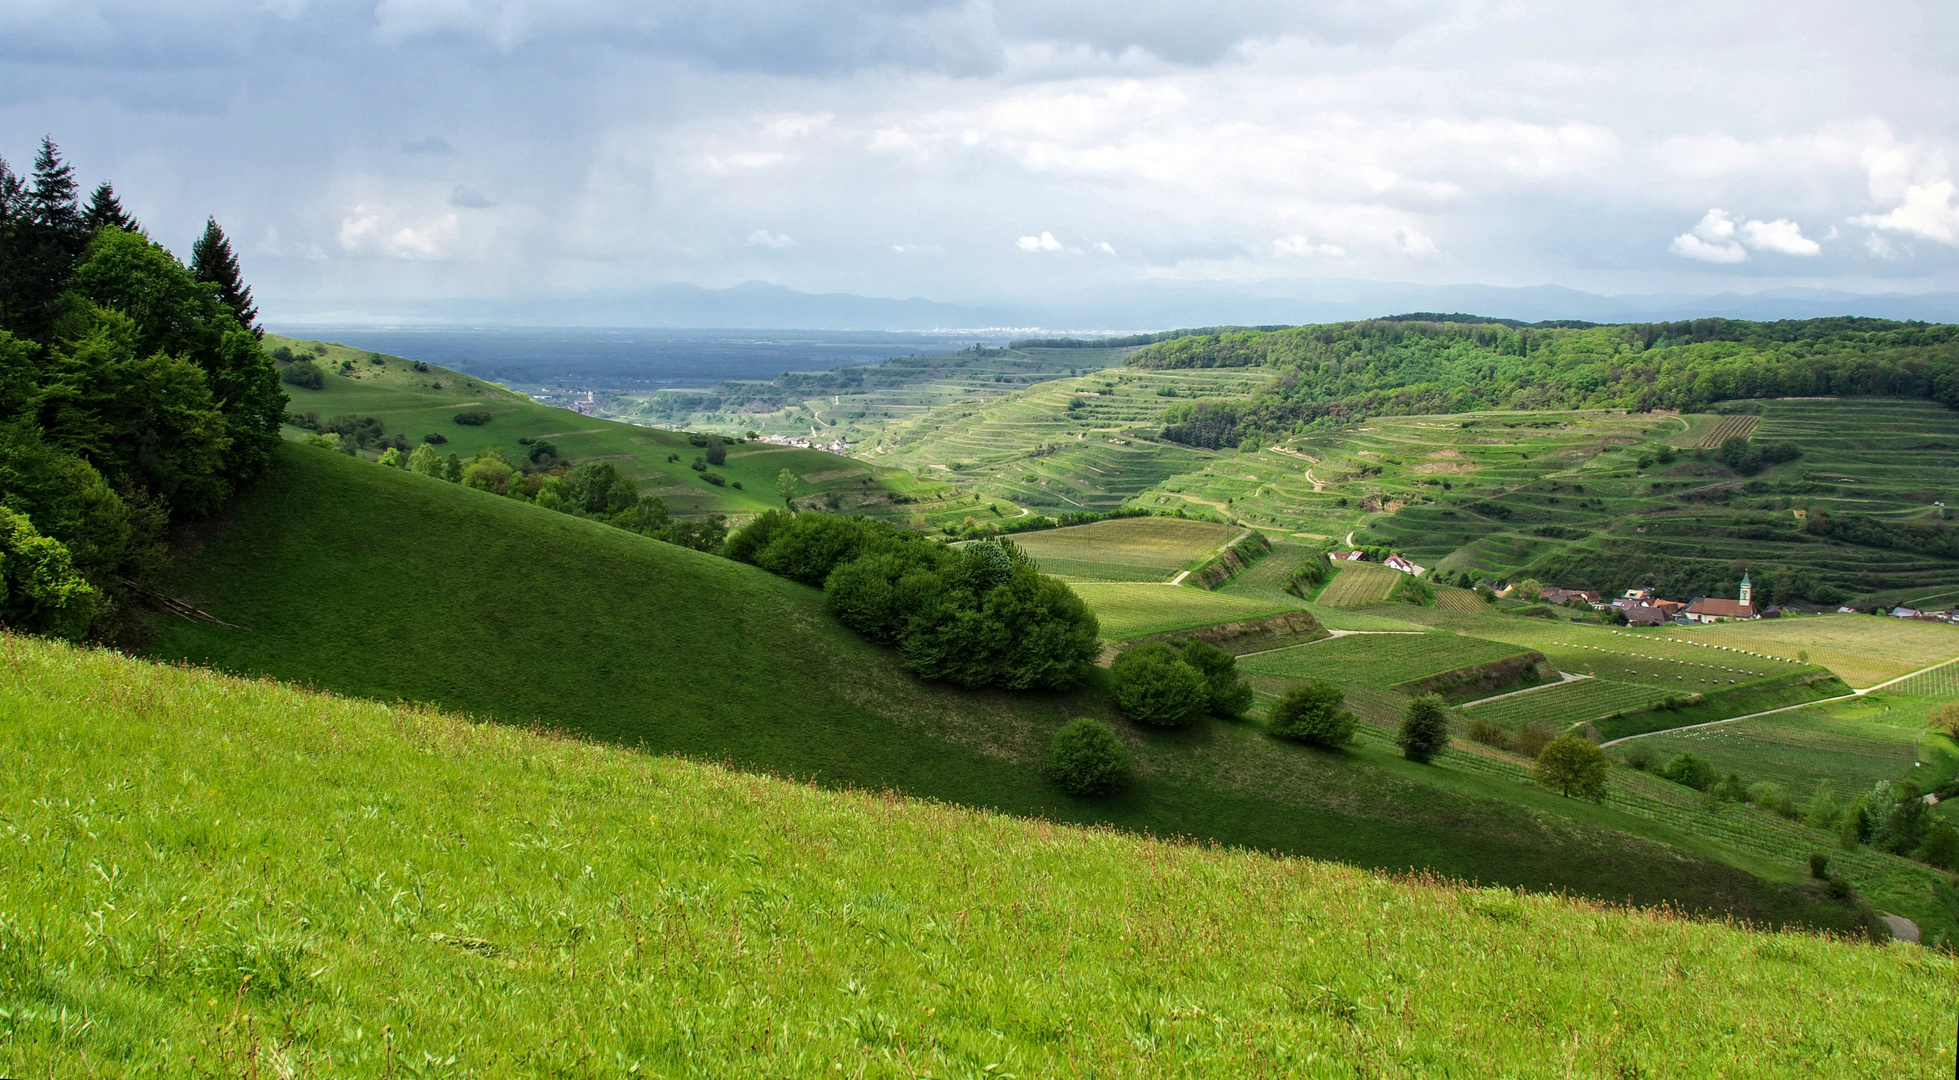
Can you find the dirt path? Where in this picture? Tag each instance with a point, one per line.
(1331, 635)
(1902, 928)
(1315, 481)
(1568, 677)
(1350, 538)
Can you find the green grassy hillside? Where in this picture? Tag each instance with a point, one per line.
(417, 403)
(383, 584)
(212, 877)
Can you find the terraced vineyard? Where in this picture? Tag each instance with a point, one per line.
(1135, 610)
(1124, 549)
(1355, 584)
(1071, 444)
(1265, 579)
(1568, 703)
(1729, 427)
(1381, 660)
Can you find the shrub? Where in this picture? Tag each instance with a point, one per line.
(1424, 729)
(424, 461)
(1312, 714)
(1946, 718)
(1823, 811)
(1819, 866)
(1489, 733)
(1840, 887)
(1571, 766)
(1228, 694)
(1638, 756)
(700, 534)
(1690, 770)
(1086, 758)
(435, 438)
(1854, 827)
(717, 450)
(1941, 846)
(1153, 685)
(304, 374)
(1730, 789)
(714, 478)
(1767, 796)
(1533, 738)
(473, 417)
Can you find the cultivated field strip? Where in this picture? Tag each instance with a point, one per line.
(1940, 682)
(1355, 584)
(1127, 610)
(1560, 706)
(1730, 427)
(1379, 660)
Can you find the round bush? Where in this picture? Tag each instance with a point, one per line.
(303, 373)
(1312, 714)
(1424, 729)
(1154, 686)
(473, 417)
(1086, 758)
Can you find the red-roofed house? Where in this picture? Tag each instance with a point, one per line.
(1707, 610)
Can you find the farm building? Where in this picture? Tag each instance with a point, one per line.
(1396, 562)
(1710, 610)
(1644, 614)
(1555, 595)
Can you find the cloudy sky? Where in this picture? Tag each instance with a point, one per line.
(361, 153)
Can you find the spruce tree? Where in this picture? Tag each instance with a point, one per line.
(211, 260)
(52, 198)
(105, 211)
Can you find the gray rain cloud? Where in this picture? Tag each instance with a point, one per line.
(993, 154)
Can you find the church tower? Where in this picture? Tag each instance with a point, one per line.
(1747, 590)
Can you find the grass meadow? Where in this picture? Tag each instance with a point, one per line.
(206, 876)
(1125, 549)
(387, 586)
(1567, 703)
(1128, 610)
(1865, 650)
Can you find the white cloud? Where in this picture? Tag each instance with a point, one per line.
(1781, 235)
(367, 231)
(1927, 211)
(1105, 248)
(1043, 242)
(1301, 246)
(1719, 238)
(767, 239)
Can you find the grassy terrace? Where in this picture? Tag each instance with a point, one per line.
(208, 876)
(1125, 549)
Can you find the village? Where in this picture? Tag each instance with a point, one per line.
(1644, 606)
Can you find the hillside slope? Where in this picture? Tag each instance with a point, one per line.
(207, 876)
(383, 584)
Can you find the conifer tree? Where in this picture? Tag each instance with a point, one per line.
(211, 260)
(52, 198)
(105, 211)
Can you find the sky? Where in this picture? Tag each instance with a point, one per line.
(367, 154)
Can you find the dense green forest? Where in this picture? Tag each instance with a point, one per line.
(133, 389)
(1347, 371)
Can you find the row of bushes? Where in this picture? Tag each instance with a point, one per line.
(981, 615)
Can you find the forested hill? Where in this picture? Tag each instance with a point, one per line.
(1345, 371)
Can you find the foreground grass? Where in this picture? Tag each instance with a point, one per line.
(211, 876)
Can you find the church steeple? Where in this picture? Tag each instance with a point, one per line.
(1747, 590)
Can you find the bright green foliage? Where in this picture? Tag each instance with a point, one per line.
(1086, 758)
(39, 589)
(1823, 812)
(1311, 713)
(1940, 846)
(1424, 729)
(1228, 694)
(599, 488)
(1153, 685)
(1729, 788)
(785, 486)
(1570, 765)
(391, 457)
(488, 472)
(618, 874)
(1902, 825)
(424, 461)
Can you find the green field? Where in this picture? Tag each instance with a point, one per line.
(1380, 660)
(1940, 682)
(1845, 743)
(386, 585)
(205, 876)
(1356, 584)
(1133, 610)
(1124, 549)
(1568, 703)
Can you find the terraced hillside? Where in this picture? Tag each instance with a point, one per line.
(1584, 499)
(1086, 443)
(382, 584)
(287, 883)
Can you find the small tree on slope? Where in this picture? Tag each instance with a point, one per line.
(1571, 766)
(1424, 729)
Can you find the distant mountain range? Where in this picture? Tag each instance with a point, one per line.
(765, 306)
